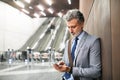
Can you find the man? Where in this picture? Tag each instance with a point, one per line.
(86, 64)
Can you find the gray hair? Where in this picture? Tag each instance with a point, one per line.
(74, 14)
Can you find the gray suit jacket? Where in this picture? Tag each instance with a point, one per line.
(87, 63)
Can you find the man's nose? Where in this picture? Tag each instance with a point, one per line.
(71, 30)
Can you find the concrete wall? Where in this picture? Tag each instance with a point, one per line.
(15, 27)
(102, 19)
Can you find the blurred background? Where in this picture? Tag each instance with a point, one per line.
(33, 35)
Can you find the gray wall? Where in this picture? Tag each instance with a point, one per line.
(102, 19)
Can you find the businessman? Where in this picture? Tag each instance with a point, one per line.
(81, 59)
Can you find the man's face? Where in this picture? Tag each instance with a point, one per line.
(75, 27)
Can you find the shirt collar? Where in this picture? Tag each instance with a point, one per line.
(81, 35)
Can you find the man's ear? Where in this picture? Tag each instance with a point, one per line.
(82, 24)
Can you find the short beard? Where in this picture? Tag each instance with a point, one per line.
(75, 35)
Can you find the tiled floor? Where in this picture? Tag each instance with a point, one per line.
(32, 71)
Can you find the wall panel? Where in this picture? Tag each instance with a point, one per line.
(103, 29)
(115, 27)
(98, 23)
(85, 7)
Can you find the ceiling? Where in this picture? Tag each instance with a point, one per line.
(57, 5)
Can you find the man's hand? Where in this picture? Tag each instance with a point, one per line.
(61, 66)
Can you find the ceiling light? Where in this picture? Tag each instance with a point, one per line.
(25, 11)
(28, 1)
(69, 1)
(19, 3)
(41, 7)
(30, 7)
(60, 14)
(49, 2)
(43, 13)
(36, 15)
(50, 10)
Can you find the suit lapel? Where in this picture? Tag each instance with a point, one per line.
(81, 42)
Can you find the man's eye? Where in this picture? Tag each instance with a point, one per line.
(73, 26)
(68, 27)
